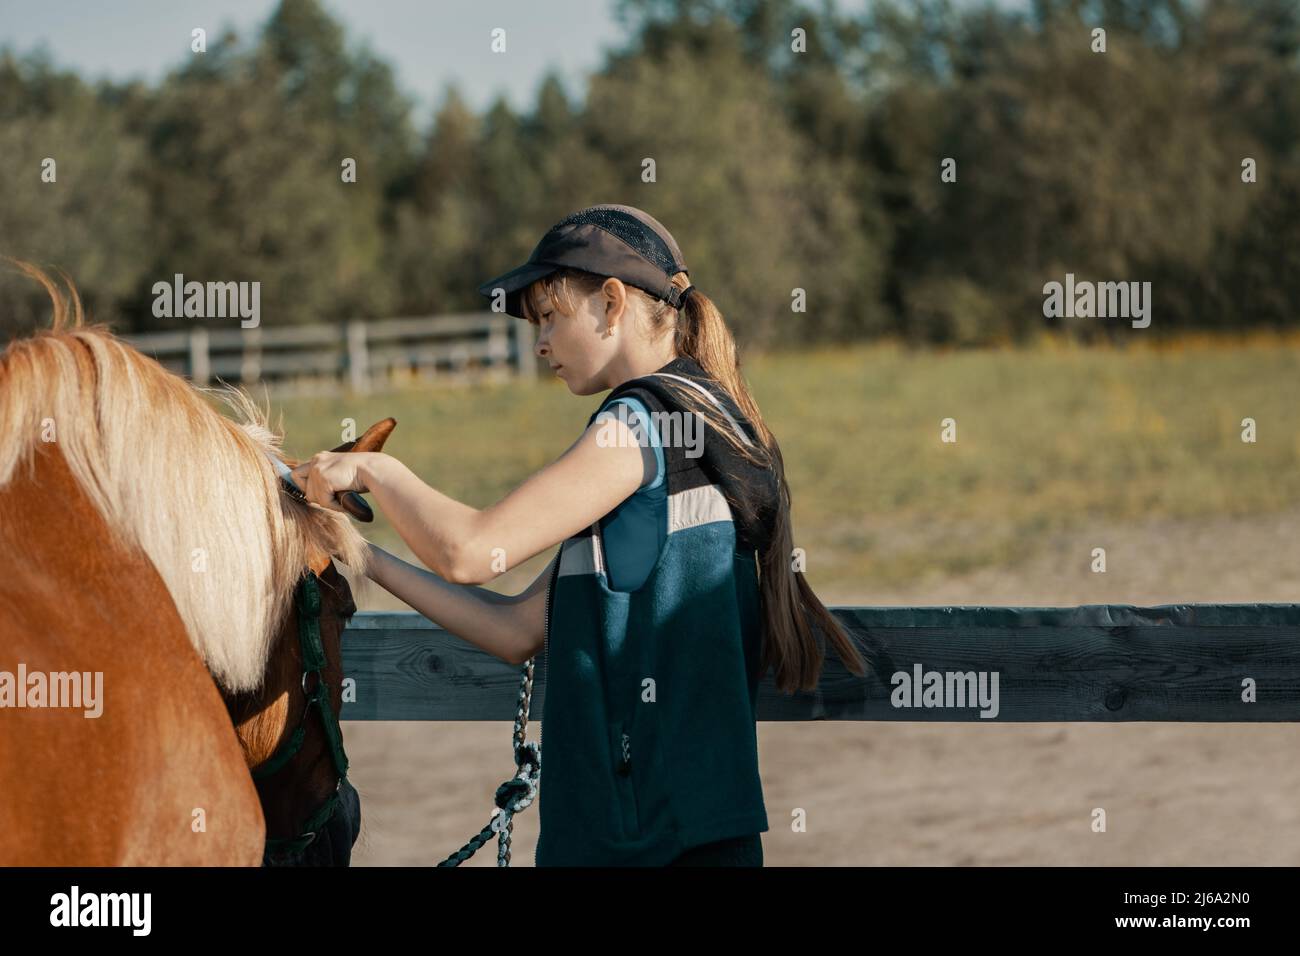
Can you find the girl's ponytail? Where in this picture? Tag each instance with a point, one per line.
(793, 615)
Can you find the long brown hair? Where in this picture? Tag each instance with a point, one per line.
(792, 613)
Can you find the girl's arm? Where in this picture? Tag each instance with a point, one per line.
(507, 627)
(457, 541)
(465, 545)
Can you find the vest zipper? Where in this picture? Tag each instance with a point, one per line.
(546, 640)
(625, 767)
(625, 788)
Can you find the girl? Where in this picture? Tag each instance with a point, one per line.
(672, 591)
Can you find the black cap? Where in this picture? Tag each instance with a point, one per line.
(608, 240)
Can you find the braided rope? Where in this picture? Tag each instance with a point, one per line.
(517, 793)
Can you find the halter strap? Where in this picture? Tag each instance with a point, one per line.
(308, 600)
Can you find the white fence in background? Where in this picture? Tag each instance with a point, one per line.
(363, 355)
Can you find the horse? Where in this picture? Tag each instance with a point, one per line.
(147, 549)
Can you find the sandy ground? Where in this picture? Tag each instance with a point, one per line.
(946, 794)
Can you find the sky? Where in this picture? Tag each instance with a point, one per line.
(430, 43)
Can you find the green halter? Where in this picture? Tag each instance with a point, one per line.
(308, 599)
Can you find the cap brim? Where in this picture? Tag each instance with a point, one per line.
(514, 282)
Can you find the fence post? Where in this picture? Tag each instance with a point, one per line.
(358, 357)
(525, 339)
(459, 360)
(200, 363)
(250, 365)
(499, 348)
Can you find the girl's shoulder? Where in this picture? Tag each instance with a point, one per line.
(682, 386)
(633, 412)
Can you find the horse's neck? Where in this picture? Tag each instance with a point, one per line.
(76, 601)
(265, 720)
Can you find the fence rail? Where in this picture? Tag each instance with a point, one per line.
(361, 354)
(1186, 662)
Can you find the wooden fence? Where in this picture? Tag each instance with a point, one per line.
(360, 354)
(1186, 662)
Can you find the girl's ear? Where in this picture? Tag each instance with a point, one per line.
(615, 296)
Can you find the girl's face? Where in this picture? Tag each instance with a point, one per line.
(580, 347)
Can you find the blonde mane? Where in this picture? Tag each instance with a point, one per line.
(172, 477)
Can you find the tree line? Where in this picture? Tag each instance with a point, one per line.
(921, 169)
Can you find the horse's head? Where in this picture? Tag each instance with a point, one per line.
(289, 726)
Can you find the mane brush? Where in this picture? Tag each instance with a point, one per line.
(349, 501)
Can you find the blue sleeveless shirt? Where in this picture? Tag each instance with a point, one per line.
(635, 531)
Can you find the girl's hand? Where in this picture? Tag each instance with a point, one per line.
(328, 473)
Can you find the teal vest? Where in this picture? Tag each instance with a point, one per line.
(649, 743)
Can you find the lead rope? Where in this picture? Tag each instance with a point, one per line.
(515, 794)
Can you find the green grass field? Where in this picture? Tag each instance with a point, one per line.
(1047, 439)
